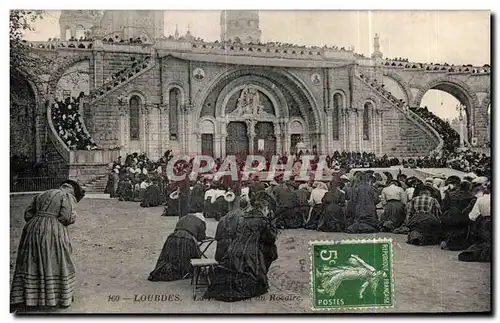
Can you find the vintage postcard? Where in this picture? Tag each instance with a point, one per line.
(250, 162)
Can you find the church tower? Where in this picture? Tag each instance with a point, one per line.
(128, 24)
(75, 23)
(240, 24)
(376, 48)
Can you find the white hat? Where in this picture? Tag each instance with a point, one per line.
(117, 167)
(116, 170)
(344, 177)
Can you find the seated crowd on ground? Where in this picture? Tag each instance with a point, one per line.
(450, 212)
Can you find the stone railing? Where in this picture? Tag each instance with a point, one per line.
(58, 44)
(268, 50)
(59, 144)
(121, 78)
(442, 68)
(93, 156)
(427, 128)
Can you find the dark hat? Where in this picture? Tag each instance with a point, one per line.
(453, 180)
(196, 206)
(77, 189)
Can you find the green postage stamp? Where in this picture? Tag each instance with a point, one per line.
(352, 274)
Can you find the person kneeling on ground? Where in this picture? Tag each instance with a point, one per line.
(174, 262)
(423, 214)
(242, 271)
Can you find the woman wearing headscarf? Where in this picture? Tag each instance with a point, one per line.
(242, 272)
(226, 228)
(45, 273)
(332, 218)
(316, 203)
(364, 203)
(480, 215)
(181, 246)
(153, 196)
(454, 220)
(301, 198)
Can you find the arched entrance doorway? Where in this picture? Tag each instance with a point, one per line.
(448, 98)
(237, 139)
(267, 101)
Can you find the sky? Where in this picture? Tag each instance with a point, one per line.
(455, 37)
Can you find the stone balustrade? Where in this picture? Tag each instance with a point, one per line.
(486, 69)
(121, 78)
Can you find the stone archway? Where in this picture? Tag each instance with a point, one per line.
(402, 84)
(458, 89)
(58, 72)
(283, 79)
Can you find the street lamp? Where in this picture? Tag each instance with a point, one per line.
(461, 110)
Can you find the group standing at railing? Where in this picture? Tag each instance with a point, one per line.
(68, 124)
(400, 62)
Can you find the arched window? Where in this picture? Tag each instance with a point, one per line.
(67, 33)
(366, 120)
(337, 107)
(174, 105)
(79, 32)
(135, 103)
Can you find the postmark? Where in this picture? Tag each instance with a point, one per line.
(352, 274)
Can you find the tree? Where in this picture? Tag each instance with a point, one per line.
(27, 62)
(22, 59)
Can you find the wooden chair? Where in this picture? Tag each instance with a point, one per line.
(200, 266)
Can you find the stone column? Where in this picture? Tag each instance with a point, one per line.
(223, 136)
(217, 145)
(251, 135)
(123, 126)
(164, 135)
(285, 132)
(197, 133)
(144, 129)
(277, 135)
(188, 128)
(373, 133)
(381, 141)
(98, 72)
(359, 119)
(343, 135)
(329, 131)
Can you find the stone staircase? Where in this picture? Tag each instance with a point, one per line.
(121, 78)
(403, 107)
(97, 185)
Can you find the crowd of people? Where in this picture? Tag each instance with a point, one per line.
(450, 136)
(129, 179)
(403, 62)
(450, 212)
(68, 124)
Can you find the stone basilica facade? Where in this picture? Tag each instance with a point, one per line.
(149, 93)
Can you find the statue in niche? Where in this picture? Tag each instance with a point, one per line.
(249, 103)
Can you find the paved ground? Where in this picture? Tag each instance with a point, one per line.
(116, 245)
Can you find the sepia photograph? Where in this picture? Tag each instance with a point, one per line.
(250, 161)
